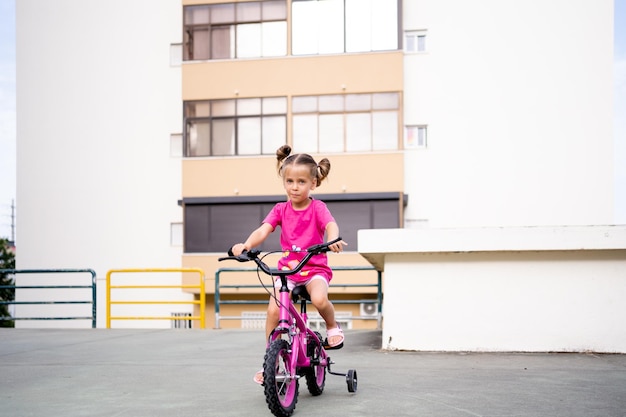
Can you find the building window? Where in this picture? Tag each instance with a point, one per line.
(338, 26)
(235, 30)
(250, 126)
(415, 41)
(214, 224)
(415, 137)
(345, 123)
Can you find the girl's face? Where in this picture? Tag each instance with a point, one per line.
(298, 185)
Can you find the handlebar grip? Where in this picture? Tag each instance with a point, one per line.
(334, 241)
(244, 256)
(232, 256)
(323, 247)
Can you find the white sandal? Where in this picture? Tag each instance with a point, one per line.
(259, 378)
(331, 333)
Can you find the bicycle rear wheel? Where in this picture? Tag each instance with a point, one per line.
(316, 374)
(281, 382)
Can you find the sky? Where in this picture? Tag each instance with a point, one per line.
(620, 111)
(8, 114)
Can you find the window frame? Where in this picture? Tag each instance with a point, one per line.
(320, 109)
(415, 35)
(232, 26)
(213, 118)
(412, 135)
(359, 20)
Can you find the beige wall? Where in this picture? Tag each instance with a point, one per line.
(354, 173)
(292, 76)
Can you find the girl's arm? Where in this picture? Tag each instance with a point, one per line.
(255, 239)
(332, 233)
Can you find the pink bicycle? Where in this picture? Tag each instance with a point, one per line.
(293, 350)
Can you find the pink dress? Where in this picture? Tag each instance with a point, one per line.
(299, 230)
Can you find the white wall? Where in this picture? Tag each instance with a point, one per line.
(517, 96)
(530, 289)
(548, 302)
(97, 100)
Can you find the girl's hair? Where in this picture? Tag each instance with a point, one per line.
(319, 171)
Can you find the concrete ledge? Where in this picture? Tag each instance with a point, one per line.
(375, 244)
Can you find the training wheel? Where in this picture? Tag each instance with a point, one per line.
(351, 380)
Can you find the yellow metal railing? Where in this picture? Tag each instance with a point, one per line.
(200, 286)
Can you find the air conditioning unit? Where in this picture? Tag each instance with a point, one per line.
(368, 309)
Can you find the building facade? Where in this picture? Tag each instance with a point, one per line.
(149, 140)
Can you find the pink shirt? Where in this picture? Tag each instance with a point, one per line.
(299, 230)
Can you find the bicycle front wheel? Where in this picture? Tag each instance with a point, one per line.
(281, 382)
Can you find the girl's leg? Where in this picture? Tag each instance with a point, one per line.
(318, 290)
(271, 322)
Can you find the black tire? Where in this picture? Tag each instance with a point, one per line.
(281, 383)
(316, 374)
(351, 380)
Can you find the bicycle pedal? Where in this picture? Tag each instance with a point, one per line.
(327, 347)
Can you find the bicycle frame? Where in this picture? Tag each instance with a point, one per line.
(293, 323)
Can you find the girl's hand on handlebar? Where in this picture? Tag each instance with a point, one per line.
(238, 248)
(337, 246)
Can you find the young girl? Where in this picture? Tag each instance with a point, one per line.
(303, 222)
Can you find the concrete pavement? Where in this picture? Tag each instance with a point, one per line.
(141, 373)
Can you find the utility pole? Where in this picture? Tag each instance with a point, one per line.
(13, 221)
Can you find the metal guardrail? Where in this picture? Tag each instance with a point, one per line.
(47, 271)
(200, 286)
(378, 284)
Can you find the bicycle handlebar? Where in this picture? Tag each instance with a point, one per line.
(253, 255)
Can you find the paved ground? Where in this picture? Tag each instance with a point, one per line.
(141, 373)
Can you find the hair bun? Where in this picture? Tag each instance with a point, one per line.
(282, 153)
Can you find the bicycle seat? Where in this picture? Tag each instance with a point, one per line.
(300, 292)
